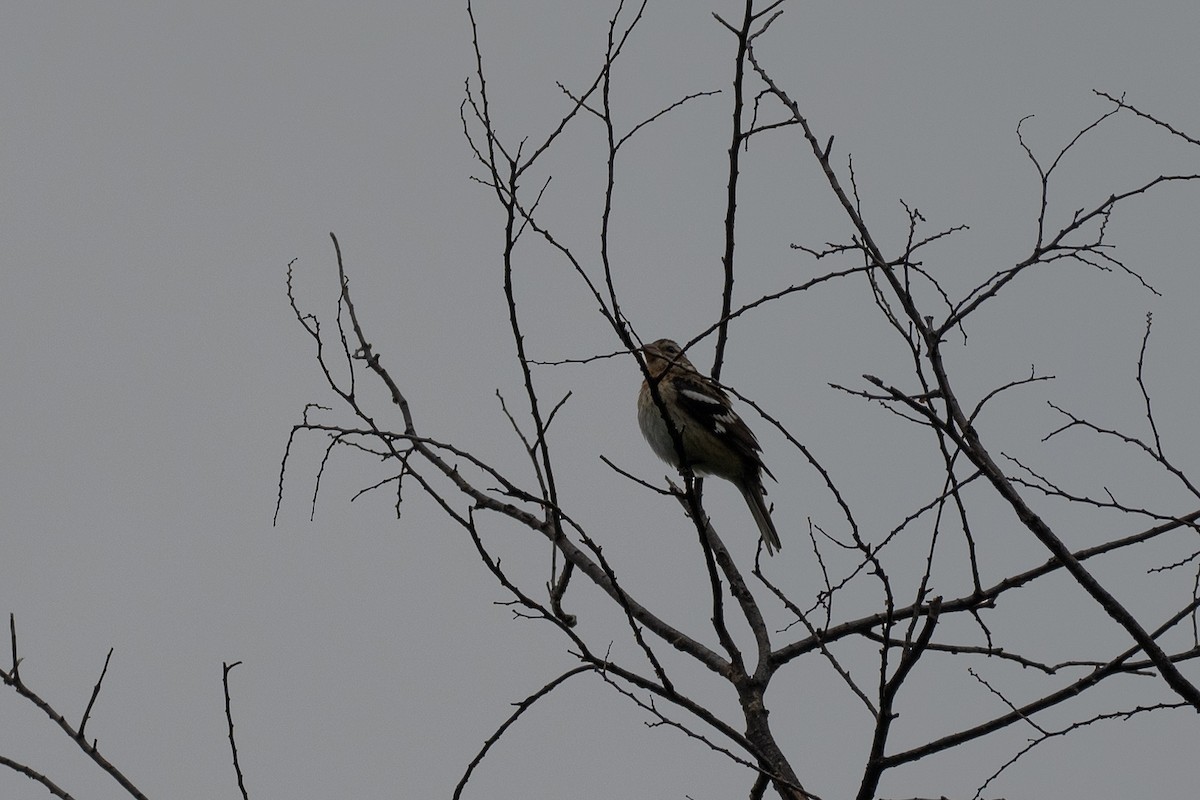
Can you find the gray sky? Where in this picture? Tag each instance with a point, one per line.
(160, 164)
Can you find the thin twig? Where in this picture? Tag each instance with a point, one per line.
(237, 766)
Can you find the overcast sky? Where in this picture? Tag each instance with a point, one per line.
(161, 164)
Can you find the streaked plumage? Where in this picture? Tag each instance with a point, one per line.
(715, 439)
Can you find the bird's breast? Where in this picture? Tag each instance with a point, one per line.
(657, 435)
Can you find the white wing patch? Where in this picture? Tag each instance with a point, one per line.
(721, 420)
(701, 397)
(722, 416)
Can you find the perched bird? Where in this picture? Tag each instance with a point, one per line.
(715, 440)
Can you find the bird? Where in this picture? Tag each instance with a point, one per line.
(715, 439)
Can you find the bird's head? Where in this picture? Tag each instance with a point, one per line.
(663, 354)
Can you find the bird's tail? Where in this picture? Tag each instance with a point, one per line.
(756, 498)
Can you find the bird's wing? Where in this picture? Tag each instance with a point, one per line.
(711, 408)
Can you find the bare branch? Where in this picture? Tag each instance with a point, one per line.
(522, 707)
(12, 678)
(237, 765)
(87, 712)
(1120, 102)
